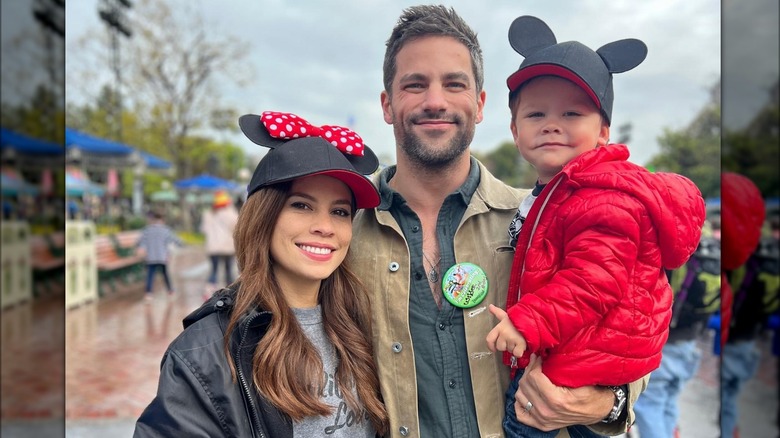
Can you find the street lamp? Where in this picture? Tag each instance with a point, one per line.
(74, 156)
(51, 15)
(112, 12)
(139, 168)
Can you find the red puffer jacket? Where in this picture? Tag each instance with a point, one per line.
(594, 300)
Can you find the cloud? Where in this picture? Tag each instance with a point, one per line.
(324, 59)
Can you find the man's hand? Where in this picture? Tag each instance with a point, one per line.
(555, 407)
(504, 336)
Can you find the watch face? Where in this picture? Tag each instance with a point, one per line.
(620, 393)
(620, 403)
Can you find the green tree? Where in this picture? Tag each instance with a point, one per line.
(506, 164)
(624, 133)
(40, 117)
(91, 119)
(755, 150)
(694, 151)
(174, 80)
(230, 157)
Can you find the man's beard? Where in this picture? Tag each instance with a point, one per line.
(429, 156)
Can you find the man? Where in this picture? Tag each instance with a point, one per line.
(439, 206)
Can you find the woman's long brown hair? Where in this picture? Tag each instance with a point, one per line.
(286, 367)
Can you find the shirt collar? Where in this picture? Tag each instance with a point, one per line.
(388, 196)
(538, 187)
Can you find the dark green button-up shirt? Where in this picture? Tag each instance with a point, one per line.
(445, 396)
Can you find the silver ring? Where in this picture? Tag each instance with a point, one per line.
(529, 406)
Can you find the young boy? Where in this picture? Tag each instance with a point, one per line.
(588, 292)
(155, 239)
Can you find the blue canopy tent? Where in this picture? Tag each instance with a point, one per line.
(153, 162)
(27, 145)
(110, 153)
(28, 153)
(94, 145)
(97, 154)
(206, 182)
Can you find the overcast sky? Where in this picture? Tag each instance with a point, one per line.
(323, 59)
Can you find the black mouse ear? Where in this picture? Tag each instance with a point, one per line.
(366, 163)
(528, 35)
(254, 130)
(623, 55)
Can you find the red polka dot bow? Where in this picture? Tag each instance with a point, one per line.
(289, 126)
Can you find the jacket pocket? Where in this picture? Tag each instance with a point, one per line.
(503, 255)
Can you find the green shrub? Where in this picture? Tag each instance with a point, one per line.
(134, 223)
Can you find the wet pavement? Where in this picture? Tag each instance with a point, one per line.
(114, 346)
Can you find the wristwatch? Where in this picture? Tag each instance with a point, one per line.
(620, 403)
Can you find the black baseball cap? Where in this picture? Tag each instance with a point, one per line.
(308, 156)
(590, 70)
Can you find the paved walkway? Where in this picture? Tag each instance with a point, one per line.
(114, 347)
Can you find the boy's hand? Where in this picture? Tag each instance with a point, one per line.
(504, 336)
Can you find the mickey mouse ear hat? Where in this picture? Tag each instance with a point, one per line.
(592, 71)
(300, 149)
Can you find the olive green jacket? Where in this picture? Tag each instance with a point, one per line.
(380, 258)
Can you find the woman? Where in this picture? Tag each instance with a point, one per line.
(286, 350)
(218, 225)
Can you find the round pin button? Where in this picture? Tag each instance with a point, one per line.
(465, 285)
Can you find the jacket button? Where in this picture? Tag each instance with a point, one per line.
(397, 347)
(394, 266)
(415, 228)
(403, 430)
(220, 303)
(441, 326)
(451, 383)
(417, 276)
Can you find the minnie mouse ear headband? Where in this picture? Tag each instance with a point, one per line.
(300, 149)
(592, 71)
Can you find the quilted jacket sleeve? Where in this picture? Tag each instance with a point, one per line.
(600, 249)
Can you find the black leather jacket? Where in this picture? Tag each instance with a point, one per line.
(196, 396)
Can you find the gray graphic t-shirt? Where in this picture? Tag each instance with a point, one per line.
(343, 421)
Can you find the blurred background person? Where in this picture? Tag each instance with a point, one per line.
(217, 225)
(156, 241)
